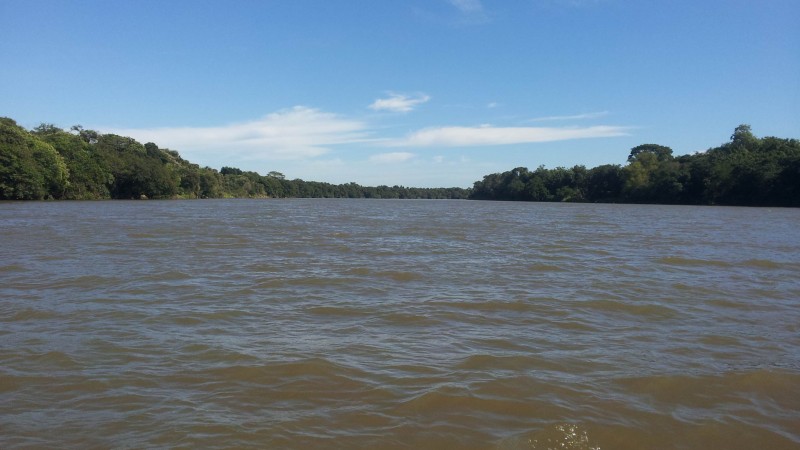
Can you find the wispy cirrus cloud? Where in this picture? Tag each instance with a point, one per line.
(591, 115)
(471, 12)
(467, 12)
(393, 157)
(399, 102)
(294, 133)
(467, 6)
(490, 136)
(307, 143)
(569, 3)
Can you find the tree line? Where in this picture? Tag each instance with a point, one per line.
(79, 164)
(51, 163)
(747, 171)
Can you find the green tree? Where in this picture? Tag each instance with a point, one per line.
(605, 183)
(89, 175)
(138, 171)
(661, 152)
(743, 136)
(210, 183)
(30, 169)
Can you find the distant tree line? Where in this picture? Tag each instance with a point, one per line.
(50, 163)
(747, 171)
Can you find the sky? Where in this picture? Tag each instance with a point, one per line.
(426, 93)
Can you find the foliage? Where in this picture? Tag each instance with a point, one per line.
(80, 164)
(30, 169)
(50, 163)
(745, 171)
(89, 174)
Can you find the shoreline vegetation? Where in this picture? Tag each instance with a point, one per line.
(50, 163)
(746, 171)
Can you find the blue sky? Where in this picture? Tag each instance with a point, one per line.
(416, 92)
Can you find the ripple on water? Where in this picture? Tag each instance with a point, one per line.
(644, 309)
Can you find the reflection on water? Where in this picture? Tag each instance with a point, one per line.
(561, 436)
(398, 324)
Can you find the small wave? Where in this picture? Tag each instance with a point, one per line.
(187, 320)
(270, 284)
(142, 235)
(400, 275)
(719, 341)
(360, 271)
(262, 267)
(515, 364)
(200, 317)
(691, 262)
(409, 318)
(743, 305)
(648, 310)
(573, 324)
(114, 251)
(57, 359)
(12, 268)
(491, 362)
(526, 305)
(302, 281)
(277, 373)
(762, 264)
(708, 391)
(203, 352)
(447, 399)
(540, 267)
(30, 314)
(85, 281)
(170, 275)
(339, 311)
(318, 281)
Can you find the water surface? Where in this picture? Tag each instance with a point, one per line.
(398, 325)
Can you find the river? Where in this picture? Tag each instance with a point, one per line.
(398, 324)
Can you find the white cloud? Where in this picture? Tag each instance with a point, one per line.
(398, 102)
(394, 157)
(467, 6)
(489, 135)
(294, 133)
(307, 143)
(567, 3)
(592, 115)
(578, 3)
(471, 12)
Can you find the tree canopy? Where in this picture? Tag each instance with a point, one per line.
(50, 163)
(747, 170)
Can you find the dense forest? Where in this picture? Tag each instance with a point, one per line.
(50, 163)
(746, 171)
